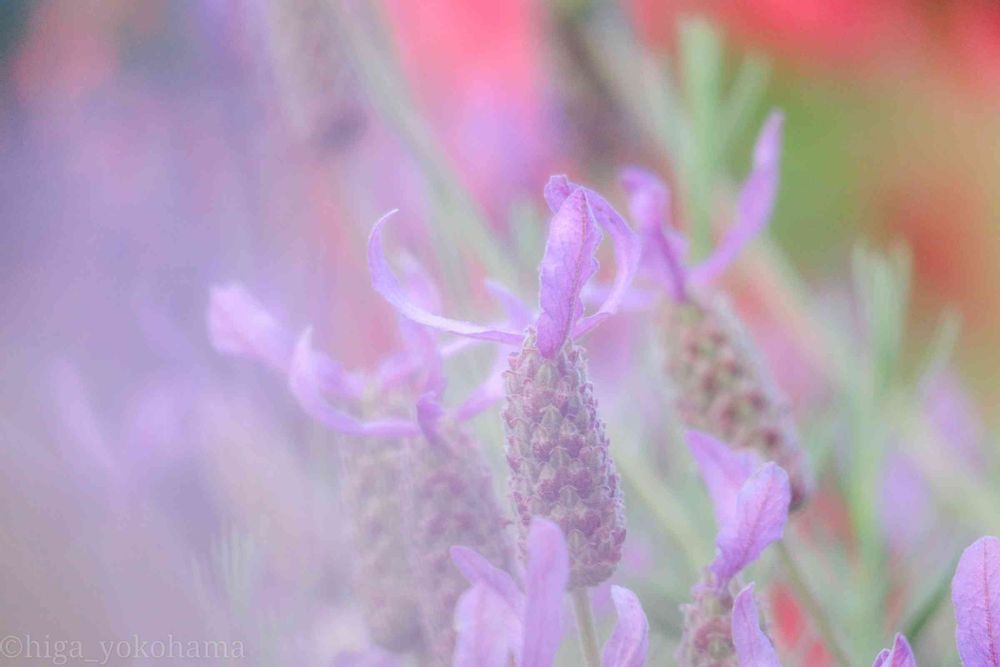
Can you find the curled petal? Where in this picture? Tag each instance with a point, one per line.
(545, 586)
(239, 325)
(753, 648)
(628, 247)
(759, 520)
(901, 655)
(567, 265)
(385, 283)
(483, 629)
(649, 206)
(975, 594)
(755, 203)
(478, 570)
(628, 644)
(305, 379)
(724, 470)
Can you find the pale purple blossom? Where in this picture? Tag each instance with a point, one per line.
(753, 647)
(666, 250)
(495, 619)
(567, 264)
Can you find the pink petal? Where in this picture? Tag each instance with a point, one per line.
(900, 656)
(305, 379)
(483, 623)
(239, 325)
(649, 206)
(759, 520)
(567, 265)
(545, 587)
(724, 470)
(755, 204)
(975, 594)
(753, 648)
(385, 283)
(629, 642)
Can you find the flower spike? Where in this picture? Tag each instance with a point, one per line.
(975, 594)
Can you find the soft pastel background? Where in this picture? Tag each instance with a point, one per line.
(150, 149)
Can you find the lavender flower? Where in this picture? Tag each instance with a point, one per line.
(975, 594)
(494, 619)
(719, 383)
(412, 486)
(557, 450)
(751, 509)
(901, 655)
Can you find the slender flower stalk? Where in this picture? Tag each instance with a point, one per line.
(718, 381)
(557, 450)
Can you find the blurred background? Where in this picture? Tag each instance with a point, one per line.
(152, 149)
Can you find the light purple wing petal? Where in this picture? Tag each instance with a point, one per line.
(483, 623)
(305, 379)
(567, 265)
(975, 594)
(628, 250)
(557, 190)
(753, 648)
(724, 470)
(545, 587)
(239, 325)
(761, 513)
(478, 570)
(629, 642)
(385, 283)
(755, 203)
(663, 250)
(902, 654)
(881, 658)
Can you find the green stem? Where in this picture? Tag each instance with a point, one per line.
(815, 610)
(585, 626)
(664, 507)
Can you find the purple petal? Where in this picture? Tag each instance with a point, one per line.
(483, 623)
(557, 190)
(900, 656)
(649, 206)
(385, 283)
(545, 586)
(239, 325)
(305, 379)
(880, 659)
(975, 594)
(478, 570)
(418, 284)
(629, 642)
(753, 648)
(724, 470)
(759, 520)
(755, 204)
(567, 265)
(628, 250)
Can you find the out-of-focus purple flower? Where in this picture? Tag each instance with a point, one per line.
(753, 647)
(649, 205)
(372, 657)
(975, 594)
(901, 655)
(751, 508)
(532, 622)
(904, 492)
(240, 325)
(956, 418)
